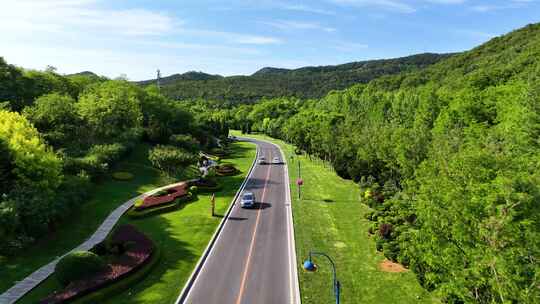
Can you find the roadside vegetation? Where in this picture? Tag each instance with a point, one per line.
(330, 218)
(447, 160)
(180, 235)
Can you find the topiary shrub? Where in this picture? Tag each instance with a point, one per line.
(78, 265)
(122, 176)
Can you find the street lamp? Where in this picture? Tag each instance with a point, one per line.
(312, 267)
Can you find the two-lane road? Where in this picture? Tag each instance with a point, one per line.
(252, 260)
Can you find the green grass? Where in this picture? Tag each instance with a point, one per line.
(181, 235)
(107, 195)
(337, 227)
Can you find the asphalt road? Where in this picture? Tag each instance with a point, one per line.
(251, 259)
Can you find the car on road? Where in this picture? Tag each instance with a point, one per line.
(262, 160)
(276, 161)
(248, 200)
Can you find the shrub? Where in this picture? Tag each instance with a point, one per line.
(78, 265)
(73, 192)
(385, 230)
(122, 176)
(184, 141)
(109, 153)
(379, 243)
(391, 250)
(193, 189)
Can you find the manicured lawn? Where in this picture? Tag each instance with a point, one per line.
(106, 197)
(337, 227)
(182, 236)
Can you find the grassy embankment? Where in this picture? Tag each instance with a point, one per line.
(330, 218)
(182, 234)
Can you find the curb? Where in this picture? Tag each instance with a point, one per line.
(187, 287)
(295, 291)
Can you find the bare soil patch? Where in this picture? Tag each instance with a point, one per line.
(389, 266)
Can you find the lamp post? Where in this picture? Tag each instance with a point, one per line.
(312, 267)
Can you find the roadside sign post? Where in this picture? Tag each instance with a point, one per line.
(213, 203)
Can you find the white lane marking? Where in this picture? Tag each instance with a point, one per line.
(217, 236)
(253, 237)
(294, 284)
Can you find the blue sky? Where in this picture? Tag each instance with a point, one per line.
(235, 37)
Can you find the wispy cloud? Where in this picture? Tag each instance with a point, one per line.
(512, 4)
(306, 9)
(447, 1)
(84, 15)
(298, 25)
(393, 5)
(349, 46)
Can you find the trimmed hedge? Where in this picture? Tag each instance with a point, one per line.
(205, 186)
(78, 265)
(137, 252)
(122, 176)
(121, 285)
(172, 206)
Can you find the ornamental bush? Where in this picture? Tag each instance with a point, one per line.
(78, 265)
(122, 176)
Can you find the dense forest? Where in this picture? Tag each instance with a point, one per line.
(307, 82)
(60, 135)
(447, 158)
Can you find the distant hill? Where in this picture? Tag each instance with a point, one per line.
(188, 76)
(84, 73)
(306, 82)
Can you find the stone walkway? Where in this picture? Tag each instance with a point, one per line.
(30, 282)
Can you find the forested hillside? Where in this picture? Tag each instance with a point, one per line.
(447, 158)
(60, 135)
(308, 82)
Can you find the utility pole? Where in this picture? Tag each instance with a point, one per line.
(158, 79)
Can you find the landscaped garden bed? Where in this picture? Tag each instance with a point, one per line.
(226, 170)
(163, 197)
(205, 185)
(126, 251)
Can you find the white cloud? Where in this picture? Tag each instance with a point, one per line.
(448, 1)
(349, 46)
(393, 5)
(245, 39)
(306, 9)
(298, 25)
(81, 15)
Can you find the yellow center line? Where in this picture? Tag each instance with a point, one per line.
(246, 269)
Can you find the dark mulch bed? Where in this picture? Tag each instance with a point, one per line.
(138, 249)
(202, 183)
(158, 200)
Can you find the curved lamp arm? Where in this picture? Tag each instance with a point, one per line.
(337, 285)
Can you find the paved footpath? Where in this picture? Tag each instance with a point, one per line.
(30, 282)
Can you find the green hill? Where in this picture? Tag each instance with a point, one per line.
(307, 82)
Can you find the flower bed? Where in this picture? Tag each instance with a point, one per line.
(163, 197)
(168, 207)
(226, 170)
(205, 185)
(138, 250)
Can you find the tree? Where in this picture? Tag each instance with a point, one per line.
(112, 110)
(56, 117)
(171, 160)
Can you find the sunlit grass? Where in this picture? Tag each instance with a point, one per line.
(330, 218)
(182, 234)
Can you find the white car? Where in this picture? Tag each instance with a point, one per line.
(276, 160)
(248, 200)
(262, 160)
